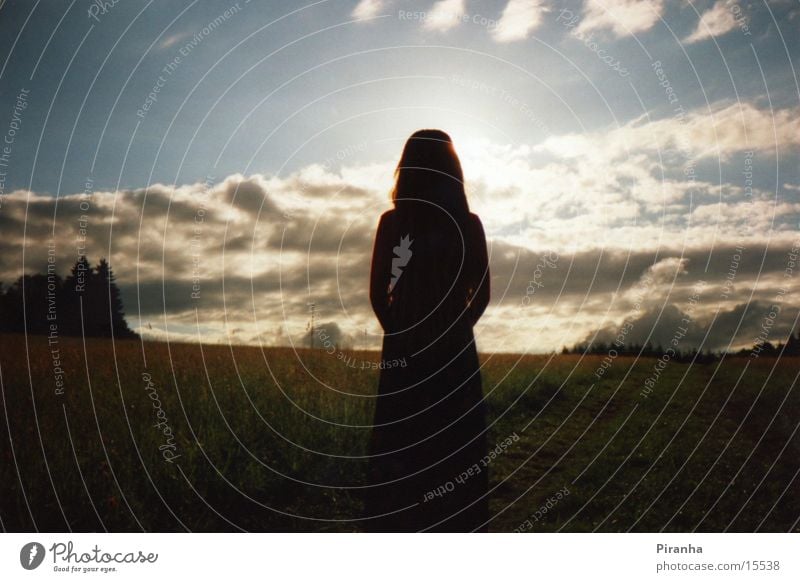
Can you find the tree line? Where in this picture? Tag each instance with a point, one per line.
(87, 302)
(768, 349)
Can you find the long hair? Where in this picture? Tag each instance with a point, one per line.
(429, 171)
(432, 212)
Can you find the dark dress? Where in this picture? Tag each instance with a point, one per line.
(429, 435)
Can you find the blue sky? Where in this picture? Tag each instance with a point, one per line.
(232, 64)
(565, 114)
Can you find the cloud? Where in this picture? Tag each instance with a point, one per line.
(724, 130)
(717, 21)
(622, 17)
(248, 194)
(667, 270)
(173, 39)
(730, 329)
(368, 8)
(247, 254)
(151, 333)
(444, 15)
(519, 18)
(248, 250)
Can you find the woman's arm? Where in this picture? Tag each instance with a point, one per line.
(479, 277)
(380, 273)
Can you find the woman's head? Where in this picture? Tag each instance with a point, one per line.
(430, 170)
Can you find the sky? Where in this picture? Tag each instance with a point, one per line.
(634, 163)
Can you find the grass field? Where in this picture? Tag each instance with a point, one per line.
(213, 438)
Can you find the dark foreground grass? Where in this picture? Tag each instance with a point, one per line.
(274, 440)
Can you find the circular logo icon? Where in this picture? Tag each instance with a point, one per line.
(31, 555)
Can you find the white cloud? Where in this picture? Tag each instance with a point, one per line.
(368, 8)
(666, 270)
(714, 22)
(276, 243)
(758, 215)
(726, 129)
(173, 39)
(444, 15)
(622, 17)
(519, 18)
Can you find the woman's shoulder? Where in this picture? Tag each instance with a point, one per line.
(391, 214)
(387, 217)
(476, 228)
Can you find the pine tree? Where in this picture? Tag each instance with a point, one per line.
(5, 310)
(793, 345)
(111, 314)
(75, 288)
(27, 305)
(118, 322)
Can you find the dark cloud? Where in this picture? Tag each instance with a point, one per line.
(258, 276)
(742, 326)
(608, 271)
(324, 234)
(249, 195)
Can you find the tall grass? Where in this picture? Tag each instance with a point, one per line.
(275, 439)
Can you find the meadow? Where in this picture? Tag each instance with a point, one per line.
(132, 436)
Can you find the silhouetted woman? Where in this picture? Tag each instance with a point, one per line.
(429, 285)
